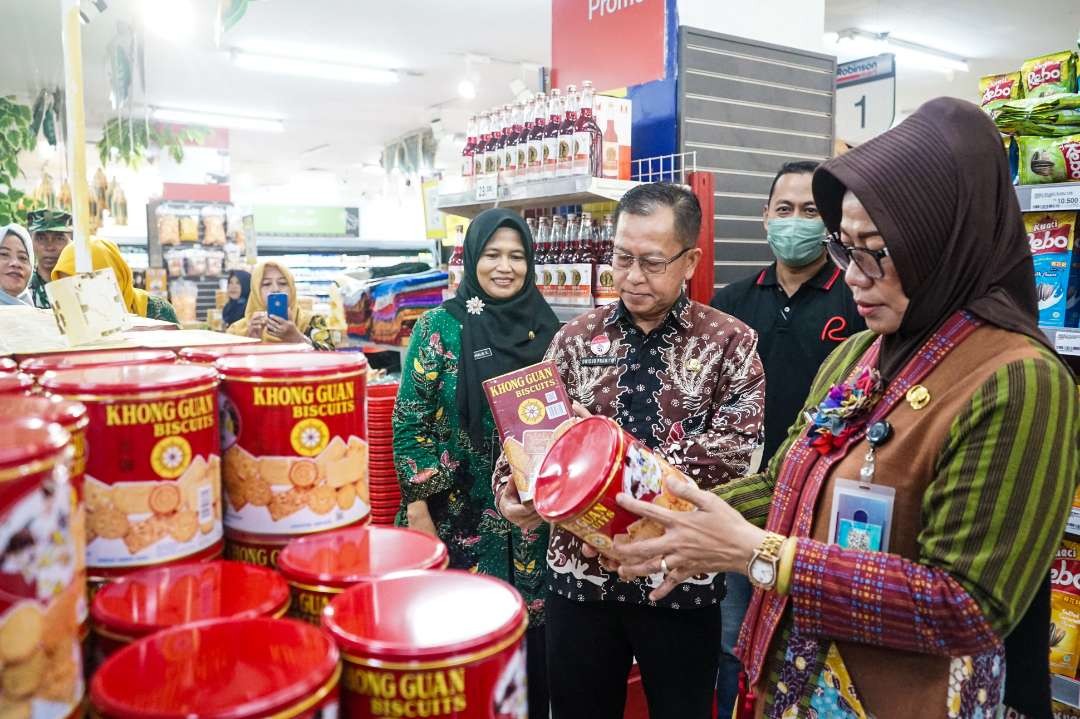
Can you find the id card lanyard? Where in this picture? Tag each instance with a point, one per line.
(862, 511)
(877, 435)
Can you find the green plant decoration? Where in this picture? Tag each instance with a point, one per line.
(126, 140)
(15, 137)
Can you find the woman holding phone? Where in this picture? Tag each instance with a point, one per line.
(273, 315)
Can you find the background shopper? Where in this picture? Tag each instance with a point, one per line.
(272, 277)
(443, 429)
(239, 288)
(923, 605)
(801, 309)
(16, 265)
(104, 254)
(685, 380)
(51, 232)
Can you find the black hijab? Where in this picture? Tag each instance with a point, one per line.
(507, 334)
(233, 311)
(938, 188)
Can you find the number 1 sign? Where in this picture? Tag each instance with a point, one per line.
(865, 97)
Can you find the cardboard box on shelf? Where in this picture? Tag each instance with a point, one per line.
(613, 116)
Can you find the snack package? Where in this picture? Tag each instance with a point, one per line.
(1049, 116)
(1065, 610)
(996, 89)
(1049, 159)
(1064, 711)
(1052, 236)
(168, 228)
(1050, 74)
(531, 410)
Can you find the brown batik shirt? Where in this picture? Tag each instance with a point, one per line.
(692, 389)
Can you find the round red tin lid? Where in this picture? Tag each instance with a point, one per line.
(124, 379)
(50, 409)
(15, 382)
(344, 557)
(220, 669)
(576, 468)
(291, 365)
(210, 354)
(153, 599)
(8, 365)
(407, 616)
(81, 360)
(27, 441)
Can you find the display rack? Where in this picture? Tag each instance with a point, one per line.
(1059, 197)
(1066, 340)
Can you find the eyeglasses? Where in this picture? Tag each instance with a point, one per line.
(648, 265)
(868, 261)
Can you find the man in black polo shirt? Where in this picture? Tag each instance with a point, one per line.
(801, 310)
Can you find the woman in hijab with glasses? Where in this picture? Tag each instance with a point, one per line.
(901, 538)
(444, 432)
(16, 265)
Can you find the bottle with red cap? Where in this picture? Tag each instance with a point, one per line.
(552, 134)
(534, 163)
(521, 150)
(565, 162)
(468, 153)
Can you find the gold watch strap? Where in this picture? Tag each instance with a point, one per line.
(770, 547)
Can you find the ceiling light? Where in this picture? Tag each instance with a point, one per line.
(218, 119)
(306, 67)
(857, 41)
(169, 19)
(370, 168)
(467, 89)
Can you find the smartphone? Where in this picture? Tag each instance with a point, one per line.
(277, 304)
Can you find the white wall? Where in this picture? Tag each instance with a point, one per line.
(792, 23)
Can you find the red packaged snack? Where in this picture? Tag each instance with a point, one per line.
(531, 410)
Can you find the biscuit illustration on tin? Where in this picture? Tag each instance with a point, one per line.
(322, 499)
(346, 496)
(164, 499)
(22, 679)
(257, 492)
(183, 525)
(144, 534)
(304, 473)
(109, 523)
(21, 632)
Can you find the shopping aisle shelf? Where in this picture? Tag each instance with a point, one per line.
(1059, 197)
(546, 193)
(1066, 340)
(1065, 690)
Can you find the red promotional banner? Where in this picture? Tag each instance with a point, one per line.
(614, 43)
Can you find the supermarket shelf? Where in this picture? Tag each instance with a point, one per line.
(565, 313)
(1065, 690)
(557, 191)
(1063, 196)
(1066, 340)
(1072, 526)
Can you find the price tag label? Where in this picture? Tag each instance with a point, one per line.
(1067, 343)
(1055, 198)
(1073, 525)
(487, 188)
(518, 192)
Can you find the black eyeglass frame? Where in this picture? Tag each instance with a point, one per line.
(642, 260)
(843, 256)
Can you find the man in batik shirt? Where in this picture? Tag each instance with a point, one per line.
(685, 380)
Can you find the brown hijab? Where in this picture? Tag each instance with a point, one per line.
(938, 188)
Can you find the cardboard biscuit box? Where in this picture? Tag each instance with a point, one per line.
(531, 409)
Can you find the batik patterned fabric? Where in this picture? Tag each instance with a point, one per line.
(692, 390)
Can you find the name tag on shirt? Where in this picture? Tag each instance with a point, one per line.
(609, 361)
(861, 516)
(482, 354)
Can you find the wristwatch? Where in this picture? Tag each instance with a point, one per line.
(762, 568)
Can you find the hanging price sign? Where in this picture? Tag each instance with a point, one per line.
(487, 188)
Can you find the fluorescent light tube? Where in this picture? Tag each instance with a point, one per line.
(907, 53)
(216, 119)
(301, 67)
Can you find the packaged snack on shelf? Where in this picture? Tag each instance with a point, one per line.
(174, 263)
(215, 260)
(168, 227)
(184, 295)
(1065, 610)
(189, 225)
(195, 261)
(213, 222)
(531, 410)
(1049, 159)
(1050, 74)
(1064, 711)
(1049, 116)
(157, 282)
(1052, 236)
(996, 89)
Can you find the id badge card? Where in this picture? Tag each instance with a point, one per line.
(861, 515)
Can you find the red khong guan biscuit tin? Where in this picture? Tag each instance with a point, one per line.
(152, 485)
(40, 591)
(321, 566)
(431, 643)
(587, 467)
(212, 353)
(222, 669)
(15, 383)
(37, 366)
(295, 449)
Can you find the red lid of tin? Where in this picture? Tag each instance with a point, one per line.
(347, 556)
(8, 365)
(157, 598)
(50, 409)
(25, 441)
(126, 378)
(220, 669)
(15, 382)
(576, 468)
(77, 360)
(290, 365)
(212, 353)
(404, 616)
